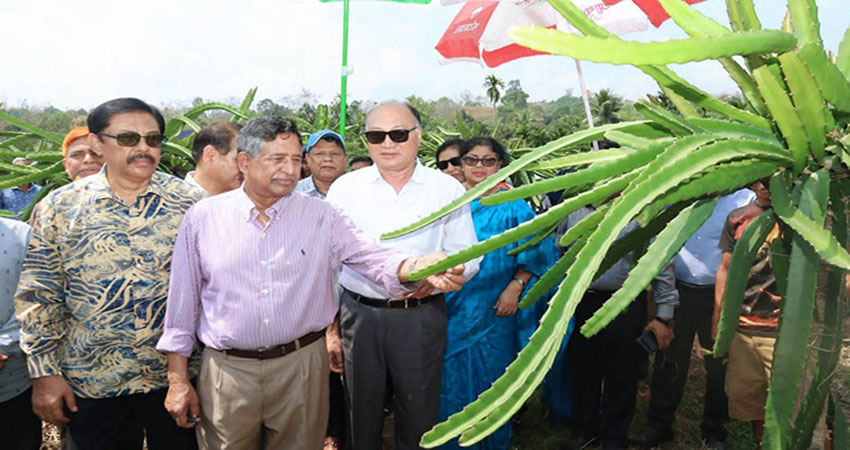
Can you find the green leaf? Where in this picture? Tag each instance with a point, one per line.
(576, 138)
(193, 113)
(33, 177)
(552, 277)
(50, 136)
(177, 149)
(735, 130)
(841, 428)
(666, 119)
(808, 101)
(783, 113)
(685, 108)
(842, 60)
(692, 21)
(674, 51)
(48, 157)
(586, 224)
(833, 84)
(580, 159)
(596, 173)
(657, 256)
(724, 178)
(804, 19)
(795, 319)
(820, 239)
(534, 240)
(746, 249)
(245, 107)
(553, 216)
(742, 15)
(829, 348)
(632, 141)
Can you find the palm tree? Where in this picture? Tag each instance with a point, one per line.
(493, 85)
(605, 105)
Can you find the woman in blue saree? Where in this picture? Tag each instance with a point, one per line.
(485, 331)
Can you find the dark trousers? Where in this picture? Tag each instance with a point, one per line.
(336, 417)
(693, 316)
(605, 371)
(121, 423)
(20, 428)
(406, 345)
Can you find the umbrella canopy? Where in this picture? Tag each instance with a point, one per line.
(479, 32)
(651, 8)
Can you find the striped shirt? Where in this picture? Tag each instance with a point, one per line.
(237, 284)
(92, 294)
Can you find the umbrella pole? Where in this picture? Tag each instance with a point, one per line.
(585, 99)
(344, 74)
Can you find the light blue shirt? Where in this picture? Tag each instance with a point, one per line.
(697, 262)
(14, 236)
(307, 187)
(15, 199)
(663, 285)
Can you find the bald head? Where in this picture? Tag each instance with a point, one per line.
(396, 106)
(391, 156)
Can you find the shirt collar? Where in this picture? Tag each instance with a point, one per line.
(101, 189)
(249, 211)
(418, 176)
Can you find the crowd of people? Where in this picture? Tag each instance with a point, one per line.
(252, 304)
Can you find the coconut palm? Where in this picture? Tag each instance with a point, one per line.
(493, 86)
(604, 105)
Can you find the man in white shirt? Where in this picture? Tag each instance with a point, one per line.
(214, 152)
(397, 338)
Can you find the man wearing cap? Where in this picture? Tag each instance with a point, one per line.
(78, 157)
(326, 158)
(19, 197)
(214, 152)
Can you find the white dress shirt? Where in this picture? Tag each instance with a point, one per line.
(376, 208)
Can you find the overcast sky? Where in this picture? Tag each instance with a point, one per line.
(80, 53)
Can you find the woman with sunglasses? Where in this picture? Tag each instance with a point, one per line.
(484, 324)
(448, 158)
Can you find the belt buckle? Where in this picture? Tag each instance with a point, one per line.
(261, 353)
(394, 303)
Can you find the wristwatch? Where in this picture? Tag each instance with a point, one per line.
(668, 322)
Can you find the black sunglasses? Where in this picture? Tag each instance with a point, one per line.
(131, 138)
(473, 161)
(397, 136)
(443, 165)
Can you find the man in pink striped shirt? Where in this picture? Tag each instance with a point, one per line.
(252, 276)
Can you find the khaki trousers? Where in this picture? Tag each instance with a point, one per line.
(748, 375)
(279, 403)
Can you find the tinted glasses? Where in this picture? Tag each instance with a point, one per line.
(397, 136)
(473, 161)
(443, 165)
(131, 138)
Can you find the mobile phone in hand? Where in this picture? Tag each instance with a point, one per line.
(647, 342)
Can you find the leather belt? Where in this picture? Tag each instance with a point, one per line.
(277, 351)
(393, 303)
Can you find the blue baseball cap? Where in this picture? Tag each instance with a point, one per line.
(321, 134)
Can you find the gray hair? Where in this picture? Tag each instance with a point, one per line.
(257, 132)
(413, 111)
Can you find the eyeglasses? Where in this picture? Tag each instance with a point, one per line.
(131, 138)
(443, 165)
(473, 161)
(397, 136)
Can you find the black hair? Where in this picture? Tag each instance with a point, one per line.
(98, 119)
(486, 141)
(455, 142)
(362, 158)
(219, 135)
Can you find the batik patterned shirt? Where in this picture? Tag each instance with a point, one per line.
(91, 300)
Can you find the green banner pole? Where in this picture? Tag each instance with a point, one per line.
(344, 75)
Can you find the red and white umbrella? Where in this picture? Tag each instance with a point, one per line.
(653, 10)
(479, 32)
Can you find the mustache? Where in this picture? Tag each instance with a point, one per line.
(141, 156)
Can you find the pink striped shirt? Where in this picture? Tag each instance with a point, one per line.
(237, 284)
